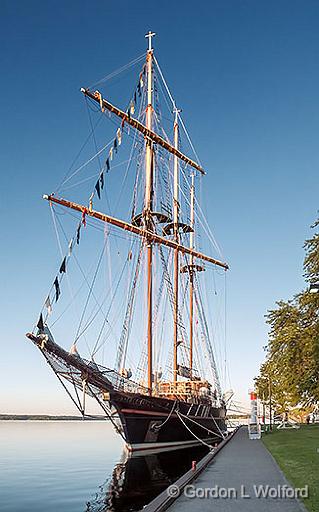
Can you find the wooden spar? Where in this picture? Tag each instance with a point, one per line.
(147, 132)
(176, 253)
(149, 316)
(191, 277)
(148, 235)
(147, 211)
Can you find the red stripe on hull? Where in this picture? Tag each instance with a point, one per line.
(146, 413)
(150, 413)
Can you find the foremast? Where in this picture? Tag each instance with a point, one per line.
(148, 207)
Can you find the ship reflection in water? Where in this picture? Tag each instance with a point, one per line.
(138, 479)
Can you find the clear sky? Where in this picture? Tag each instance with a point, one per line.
(245, 73)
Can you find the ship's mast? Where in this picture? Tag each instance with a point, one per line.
(146, 229)
(191, 274)
(176, 239)
(148, 206)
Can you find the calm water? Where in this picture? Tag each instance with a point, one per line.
(79, 467)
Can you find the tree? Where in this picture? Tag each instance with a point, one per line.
(292, 359)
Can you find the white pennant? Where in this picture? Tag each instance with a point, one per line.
(70, 246)
(119, 136)
(48, 305)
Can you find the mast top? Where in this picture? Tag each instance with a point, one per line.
(176, 111)
(149, 35)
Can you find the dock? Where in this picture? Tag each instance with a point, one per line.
(240, 476)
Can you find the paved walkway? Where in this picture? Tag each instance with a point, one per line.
(239, 466)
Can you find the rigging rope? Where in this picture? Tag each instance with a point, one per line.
(87, 162)
(96, 175)
(97, 347)
(203, 222)
(158, 427)
(202, 426)
(194, 435)
(118, 71)
(86, 280)
(174, 106)
(131, 152)
(209, 348)
(90, 293)
(181, 325)
(123, 343)
(78, 154)
(98, 156)
(61, 252)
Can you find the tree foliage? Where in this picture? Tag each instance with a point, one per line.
(292, 359)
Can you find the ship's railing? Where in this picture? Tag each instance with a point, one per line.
(121, 383)
(189, 390)
(77, 370)
(115, 380)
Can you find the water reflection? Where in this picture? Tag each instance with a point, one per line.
(136, 480)
(57, 466)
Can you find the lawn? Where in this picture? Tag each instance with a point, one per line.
(297, 453)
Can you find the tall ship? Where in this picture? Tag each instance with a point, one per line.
(125, 321)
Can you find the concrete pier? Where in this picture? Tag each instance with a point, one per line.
(241, 477)
(237, 474)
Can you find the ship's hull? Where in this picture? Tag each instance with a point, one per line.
(151, 424)
(147, 423)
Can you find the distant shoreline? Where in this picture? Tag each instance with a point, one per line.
(45, 417)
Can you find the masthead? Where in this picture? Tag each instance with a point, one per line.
(149, 35)
(176, 111)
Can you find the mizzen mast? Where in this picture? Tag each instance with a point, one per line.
(191, 268)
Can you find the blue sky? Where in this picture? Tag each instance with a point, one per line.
(246, 75)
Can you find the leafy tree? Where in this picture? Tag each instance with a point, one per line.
(292, 359)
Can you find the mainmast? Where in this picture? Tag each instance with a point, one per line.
(148, 206)
(176, 239)
(191, 275)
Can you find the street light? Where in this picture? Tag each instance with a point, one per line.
(314, 288)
